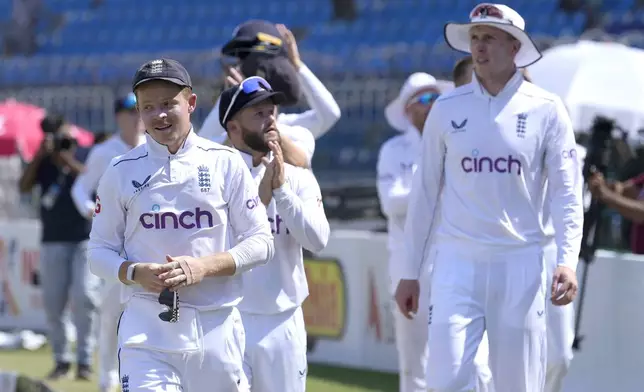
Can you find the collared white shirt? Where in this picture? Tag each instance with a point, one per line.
(97, 162)
(151, 203)
(297, 221)
(395, 170)
(488, 159)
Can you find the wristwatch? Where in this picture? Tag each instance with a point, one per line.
(129, 275)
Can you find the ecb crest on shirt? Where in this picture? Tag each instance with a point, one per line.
(203, 178)
(522, 118)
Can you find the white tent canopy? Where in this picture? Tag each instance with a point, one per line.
(595, 78)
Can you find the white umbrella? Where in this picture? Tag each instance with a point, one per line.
(595, 78)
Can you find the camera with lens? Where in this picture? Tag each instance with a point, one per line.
(52, 125)
(600, 146)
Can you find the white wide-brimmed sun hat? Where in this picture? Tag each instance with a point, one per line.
(395, 111)
(457, 35)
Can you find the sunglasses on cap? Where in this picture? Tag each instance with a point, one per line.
(248, 86)
(171, 300)
(425, 99)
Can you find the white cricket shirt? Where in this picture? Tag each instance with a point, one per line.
(488, 159)
(395, 169)
(151, 203)
(297, 221)
(97, 162)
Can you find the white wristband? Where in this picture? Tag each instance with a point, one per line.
(129, 275)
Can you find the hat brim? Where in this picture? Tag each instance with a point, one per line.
(176, 81)
(395, 115)
(234, 45)
(277, 97)
(457, 36)
(244, 45)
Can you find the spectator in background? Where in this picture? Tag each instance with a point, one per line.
(280, 64)
(628, 199)
(65, 232)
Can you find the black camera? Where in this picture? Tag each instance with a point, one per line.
(51, 125)
(600, 146)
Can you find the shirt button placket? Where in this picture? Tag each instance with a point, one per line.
(172, 169)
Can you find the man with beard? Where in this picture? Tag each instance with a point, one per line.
(275, 357)
(287, 74)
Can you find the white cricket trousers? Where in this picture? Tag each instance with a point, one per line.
(411, 344)
(201, 352)
(275, 357)
(561, 331)
(110, 311)
(502, 292)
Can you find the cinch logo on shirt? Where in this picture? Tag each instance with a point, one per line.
(483, 164)
(276, 225)
(197, 218)
(252, 203)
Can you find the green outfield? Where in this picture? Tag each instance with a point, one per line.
(320, 379)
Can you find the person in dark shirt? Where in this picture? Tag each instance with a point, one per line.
(65, 233)
(627, 198)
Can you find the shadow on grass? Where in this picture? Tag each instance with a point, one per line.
(373, 381)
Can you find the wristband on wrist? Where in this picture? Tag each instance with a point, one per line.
(126, 272)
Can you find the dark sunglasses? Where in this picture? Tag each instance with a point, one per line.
(426, 98)
(248, 86)
(171, 300)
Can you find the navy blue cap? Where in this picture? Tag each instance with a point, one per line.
(236, 98)
(254, 36)
(127, 102)
(162, 69)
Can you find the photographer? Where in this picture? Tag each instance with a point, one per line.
(626, 198)
(63, 263)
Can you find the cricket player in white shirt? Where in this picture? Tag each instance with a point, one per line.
(396, 166)
(275, 358)
(300, 129)
(130, 135)
(489, 150)
(164, 214)
(560, 319)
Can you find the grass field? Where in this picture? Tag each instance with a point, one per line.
(320, 379)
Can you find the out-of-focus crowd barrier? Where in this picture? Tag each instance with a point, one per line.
(349, 310)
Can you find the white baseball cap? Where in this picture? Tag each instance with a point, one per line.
(395, 111)
(500, 16)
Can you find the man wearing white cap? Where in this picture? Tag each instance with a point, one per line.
(396, 166)
(560, 319)
(490, 149)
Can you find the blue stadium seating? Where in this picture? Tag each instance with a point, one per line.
(390, 38)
